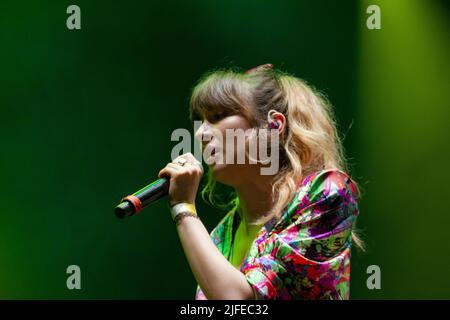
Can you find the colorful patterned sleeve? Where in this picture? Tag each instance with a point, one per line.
(308, 256)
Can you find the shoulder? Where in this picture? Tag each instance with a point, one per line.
(323, 214)
(331, 183)
(322, 192)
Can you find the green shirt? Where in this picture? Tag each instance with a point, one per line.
(242, 242)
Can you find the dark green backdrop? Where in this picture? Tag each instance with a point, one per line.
(86, 118)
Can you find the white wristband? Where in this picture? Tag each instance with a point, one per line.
(182, 207)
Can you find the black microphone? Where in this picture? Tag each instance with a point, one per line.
(134, 203)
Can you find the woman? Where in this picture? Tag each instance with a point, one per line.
(288, 235)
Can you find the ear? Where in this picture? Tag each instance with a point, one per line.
(278, 117)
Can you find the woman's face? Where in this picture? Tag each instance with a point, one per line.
(219, 151)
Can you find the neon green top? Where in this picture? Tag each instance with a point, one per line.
(242, 242)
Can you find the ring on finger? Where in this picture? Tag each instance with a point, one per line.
(181, 161)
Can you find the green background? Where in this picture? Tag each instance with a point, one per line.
(86, 118)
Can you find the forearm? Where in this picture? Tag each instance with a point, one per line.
(215, 275)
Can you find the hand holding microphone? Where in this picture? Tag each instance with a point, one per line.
(179, 180)
(185, 173)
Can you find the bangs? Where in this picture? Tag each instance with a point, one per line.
(221, 93)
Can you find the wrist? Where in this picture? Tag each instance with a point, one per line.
(174, 202)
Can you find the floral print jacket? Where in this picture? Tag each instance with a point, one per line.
(305, 253)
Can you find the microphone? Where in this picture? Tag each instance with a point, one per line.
(134, 203)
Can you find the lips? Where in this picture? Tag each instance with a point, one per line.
(210, 147)
(210, 154)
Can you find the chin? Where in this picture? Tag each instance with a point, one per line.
(219, 172)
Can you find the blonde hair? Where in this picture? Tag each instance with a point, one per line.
(309, 143)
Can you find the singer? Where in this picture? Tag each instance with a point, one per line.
(286, 235)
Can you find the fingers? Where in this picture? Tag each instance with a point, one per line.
(184, 179)
(170, 170)
(174, 166)
(189, 157)
(175, 169)
(190, 166)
